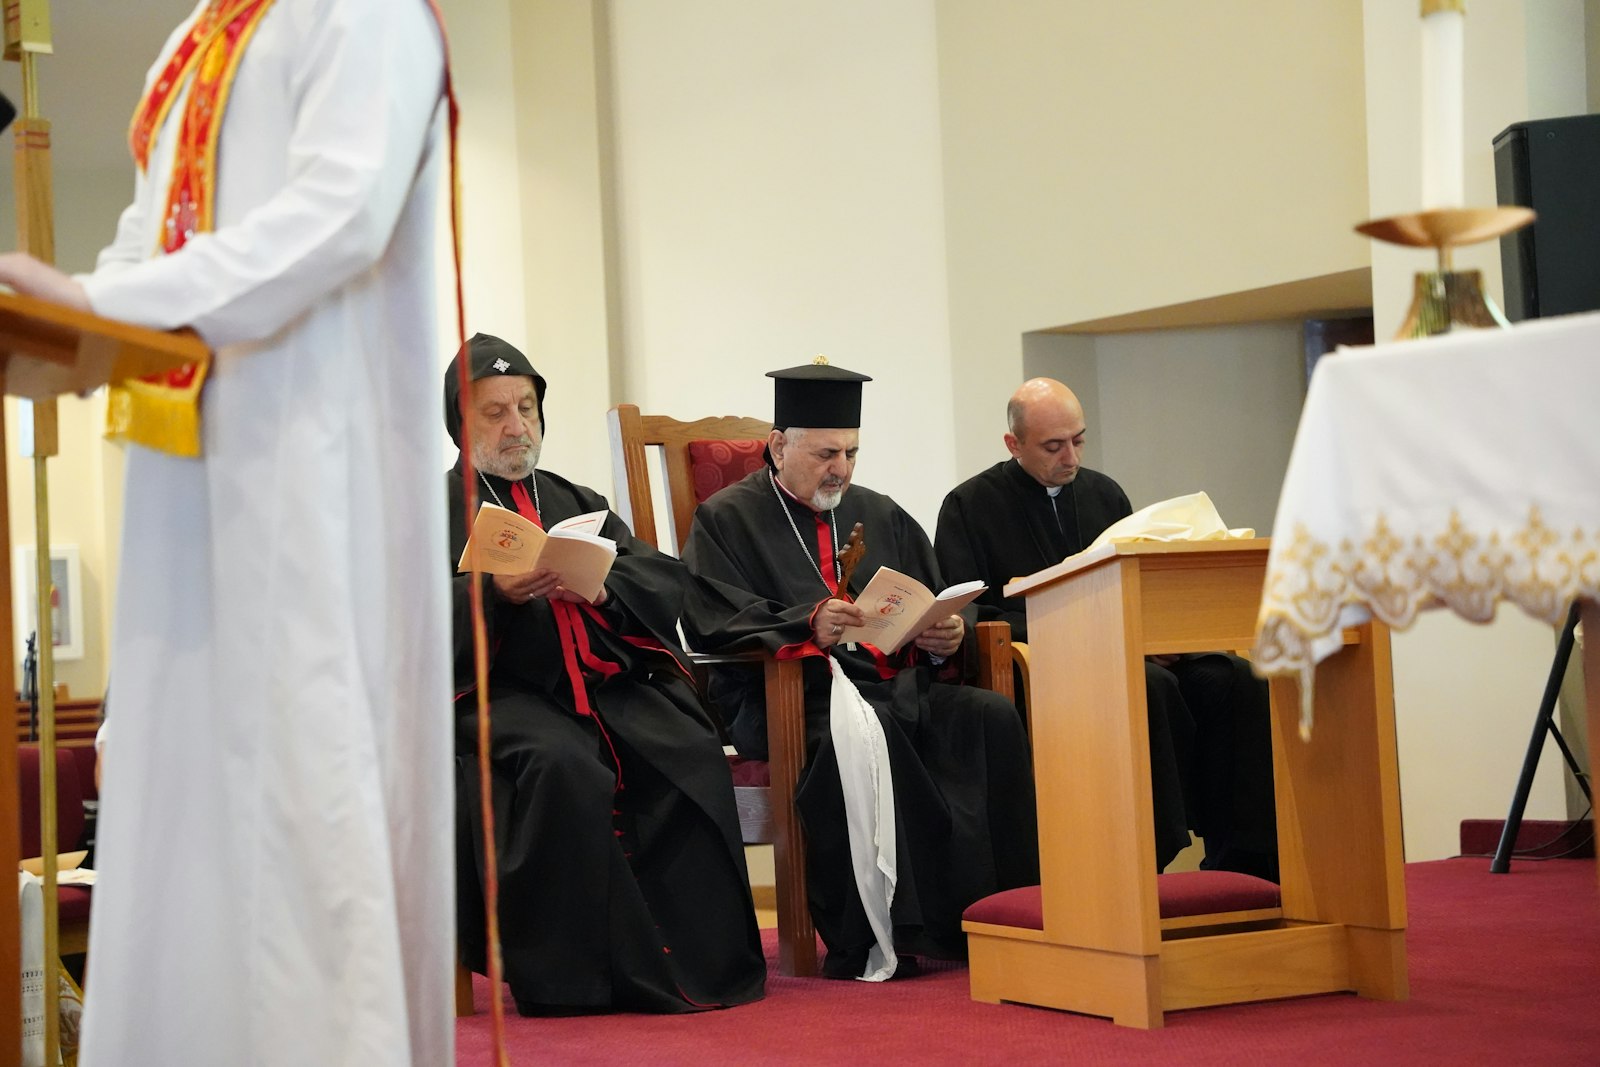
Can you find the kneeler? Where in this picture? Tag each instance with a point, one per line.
(1105, 935)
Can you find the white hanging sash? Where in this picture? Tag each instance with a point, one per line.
(862, 752)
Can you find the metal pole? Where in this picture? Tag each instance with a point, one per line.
(1530, 762)
(27, 28)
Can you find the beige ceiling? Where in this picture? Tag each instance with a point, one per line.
(1325, 296)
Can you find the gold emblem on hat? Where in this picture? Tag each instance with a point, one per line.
(820, 361)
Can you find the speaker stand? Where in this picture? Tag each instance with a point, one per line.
(1545, 722)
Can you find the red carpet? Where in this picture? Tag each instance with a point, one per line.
(1503, 968)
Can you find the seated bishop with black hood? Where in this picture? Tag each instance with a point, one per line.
(622, 874)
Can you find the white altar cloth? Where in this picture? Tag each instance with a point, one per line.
(1461, 470)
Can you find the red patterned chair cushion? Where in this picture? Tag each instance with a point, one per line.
(715, 465)
(1181, 893)
(718, 464)
(747, 772)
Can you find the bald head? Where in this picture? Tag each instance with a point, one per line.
(1046, 431)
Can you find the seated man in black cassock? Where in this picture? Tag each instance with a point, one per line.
(954, 759)
(622, 873)
(1210, 727)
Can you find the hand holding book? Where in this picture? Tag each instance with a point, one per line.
(833, 619)
(896, 609)
(524, 588)
(572, 550)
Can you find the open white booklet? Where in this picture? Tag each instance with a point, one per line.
(573, 548)
(898, 608)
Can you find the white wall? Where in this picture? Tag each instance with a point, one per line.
(1179, 411)
(1104, 158)
(779, 196)
(562, 175)
(491, 208)
(1205, 409)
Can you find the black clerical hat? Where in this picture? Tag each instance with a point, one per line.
(817, 396)
(491, 357)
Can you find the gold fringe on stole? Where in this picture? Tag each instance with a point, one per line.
(157, 415)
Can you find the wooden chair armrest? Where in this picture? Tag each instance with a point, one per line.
(994, 658)
(1019, 656)
(786, 754)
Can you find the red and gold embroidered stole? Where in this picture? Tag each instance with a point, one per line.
(162, 411)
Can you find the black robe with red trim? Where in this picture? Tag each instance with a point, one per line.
(963, 782)
(622, 873)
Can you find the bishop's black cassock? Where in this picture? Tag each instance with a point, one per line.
(1210, 740)
(963, 786)
(622, 874)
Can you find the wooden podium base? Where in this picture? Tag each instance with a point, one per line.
(1103, 948)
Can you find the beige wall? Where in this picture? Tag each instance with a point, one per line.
(1103, 158)
(79, 518)
(778, 196)
(1146, 429)
(1591, 51)
(560, 174)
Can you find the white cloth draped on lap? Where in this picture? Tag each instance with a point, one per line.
(863, 755)
(275, 839)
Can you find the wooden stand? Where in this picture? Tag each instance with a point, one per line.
(47, 351)
(1102, 950)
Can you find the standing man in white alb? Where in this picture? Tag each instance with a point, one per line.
(275, 849)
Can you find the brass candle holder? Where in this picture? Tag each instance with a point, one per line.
(1445, 299)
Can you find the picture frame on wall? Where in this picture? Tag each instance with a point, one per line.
(67, 617)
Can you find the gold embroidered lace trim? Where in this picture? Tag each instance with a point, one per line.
(1537, 567)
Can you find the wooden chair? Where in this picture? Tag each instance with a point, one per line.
(766, 799)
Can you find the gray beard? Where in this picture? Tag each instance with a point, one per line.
(826, 499)
(510, 470)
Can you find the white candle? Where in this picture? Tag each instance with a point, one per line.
(1443, 30)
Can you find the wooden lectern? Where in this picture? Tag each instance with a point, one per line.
(1102, 949)
(48, 351)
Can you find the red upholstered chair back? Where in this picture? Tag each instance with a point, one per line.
(715, 465)
(699, 457)
(69, 799)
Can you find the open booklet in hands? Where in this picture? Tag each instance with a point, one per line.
(573, 548)
(898, 608)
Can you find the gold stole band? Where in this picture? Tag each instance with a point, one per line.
(162, 411)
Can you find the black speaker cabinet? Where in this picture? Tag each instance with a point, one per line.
(1553, 166)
